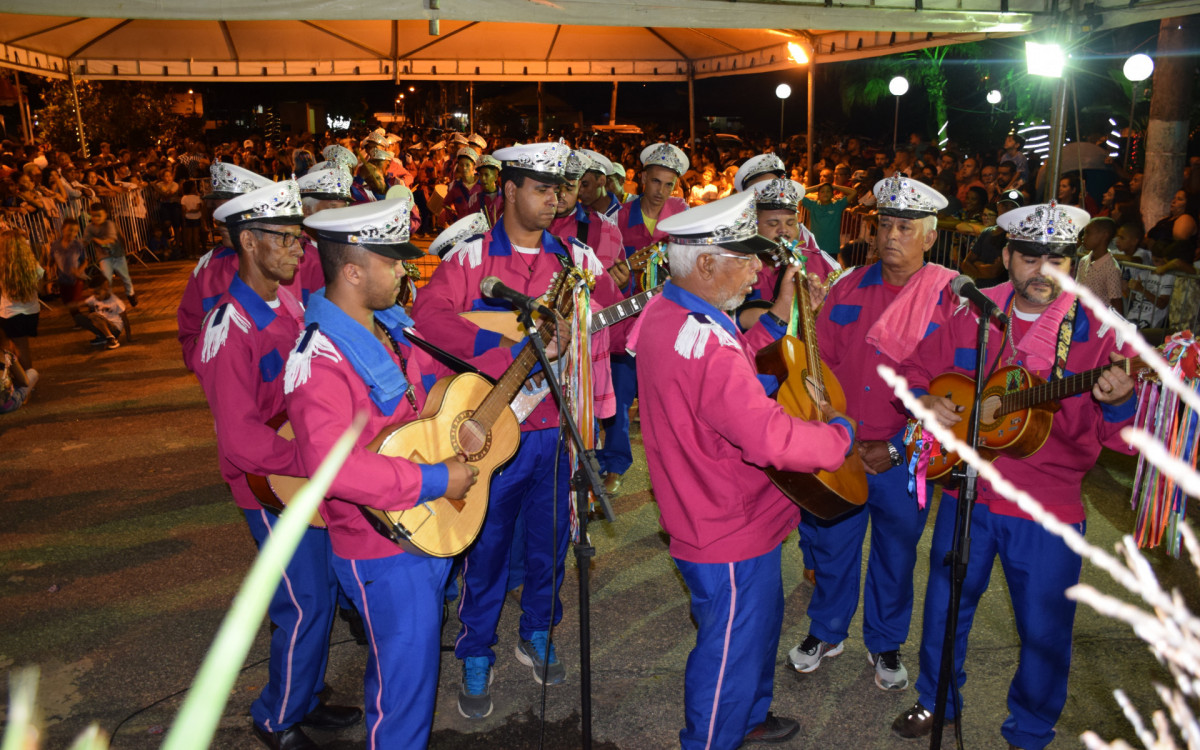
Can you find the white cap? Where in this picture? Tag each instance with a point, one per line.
(576, 165)
(378, 135)
(907, 198)
(777, 194)
(464, 229)
(596, 162)
(487, 160)
(379, 226)
(618, 169)
(325, 184)
(477, 140)
(758, 165)
(229, 180)
(665, 155)
(468, 153)
(460, 139)
(731, 223)
(378, 154)
(544, 161)
(342, 156)
(1044, 228)
(277, 203)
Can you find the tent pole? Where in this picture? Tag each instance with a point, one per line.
(692, 108)
(612, 108)
(541, 114)
(26, 125)
(83, 148)
(471, 111)
(812, 88)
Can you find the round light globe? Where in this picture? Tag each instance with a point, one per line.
(1138, 67)
(898, 86)
(994, 97)
(783, 91)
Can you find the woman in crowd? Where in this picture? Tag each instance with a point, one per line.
(20, 275)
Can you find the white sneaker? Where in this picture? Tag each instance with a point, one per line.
(808, 655)
(890, 672)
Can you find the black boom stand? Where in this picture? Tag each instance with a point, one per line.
(960, 549)
(586, 477)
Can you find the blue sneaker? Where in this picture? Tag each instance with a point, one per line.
(475, 695)
(532, 653)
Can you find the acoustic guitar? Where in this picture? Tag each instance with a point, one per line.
(464, 415)
(805, 381)
(1016, 414)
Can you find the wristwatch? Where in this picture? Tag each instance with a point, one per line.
(895, 454)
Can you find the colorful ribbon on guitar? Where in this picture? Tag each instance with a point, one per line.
(918, 465)
(579, 389)
(657, 257)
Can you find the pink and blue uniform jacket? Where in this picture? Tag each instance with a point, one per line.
(492, 205)
(604, 239)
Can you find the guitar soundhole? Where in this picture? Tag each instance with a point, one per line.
(989, 412)
(470, 437)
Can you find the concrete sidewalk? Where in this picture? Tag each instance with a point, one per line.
(121, 550)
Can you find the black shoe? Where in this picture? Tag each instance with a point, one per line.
(292, 738)
(354, 622)
(325, 716)
(774, 729)
(133, 300)
(917, 722)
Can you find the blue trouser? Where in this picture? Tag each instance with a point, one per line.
(526, 486)
(617, 454)
(730, 675)
(302, 610)
(1039, 569)
(118, 266)
(834, 550)
(400, 598)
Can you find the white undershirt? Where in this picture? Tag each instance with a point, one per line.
(273, 304)
(526, 250)
(1025, 316)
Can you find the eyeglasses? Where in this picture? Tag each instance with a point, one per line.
(737, 256)
(288, 240)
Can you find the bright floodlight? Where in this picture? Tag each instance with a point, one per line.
(1138, 67)
(1046, 60)
(783, 91)
(898, 86)
(797, 54)
(993, 97)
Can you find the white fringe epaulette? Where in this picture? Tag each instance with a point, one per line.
(203, 262)
(216, 329)
(693, 337)
(585, 257)
(299, 364)
(469, 252)
(1119, 333)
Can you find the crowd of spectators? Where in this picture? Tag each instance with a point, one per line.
(70, 223)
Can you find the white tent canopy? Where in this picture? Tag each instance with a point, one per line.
(499, 40)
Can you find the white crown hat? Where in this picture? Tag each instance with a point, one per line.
(907, 198)
(1044, 228)
(463, 229)
(665, 155)
(487, 160)
(342, 156)
(596, 162)
(380, 226)
(468, 153)
(476, 140)
(378, 154)
(758, 165)
(378, 135)
(332, 183)
(545, 161)
(778, 193)
(731, 223)
(576, 165)
(277, 203)
(461, 139)
(618, 169)
(229, 180)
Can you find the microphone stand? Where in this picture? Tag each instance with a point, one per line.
(960, 549)
(585, 478)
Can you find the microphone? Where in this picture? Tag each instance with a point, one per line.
(963, 286)
(493, 287)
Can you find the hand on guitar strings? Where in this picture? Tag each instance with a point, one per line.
(948, 412)
(782, 308)
(620, 273)
(1114, 385)
(561, 340)
(462, 476)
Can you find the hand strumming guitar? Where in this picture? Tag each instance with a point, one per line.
(948, 413)
(620, 273)
(462, 476)
(1114, 385)
(556, 344)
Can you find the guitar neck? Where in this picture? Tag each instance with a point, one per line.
(509, 384)
(625, 308)
(1056, 390)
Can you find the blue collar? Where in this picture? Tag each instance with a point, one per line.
(260, 312)
(366, 354)
(220, 251)
(635, 212)
(689, 301)
(501, 245)
(873, 276)
(581, 214)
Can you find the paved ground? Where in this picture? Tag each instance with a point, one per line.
(120, 550)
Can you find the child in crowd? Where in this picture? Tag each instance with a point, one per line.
(104, 315)
(15, 381)
(102, 233)
(70, 262)
(192, 220)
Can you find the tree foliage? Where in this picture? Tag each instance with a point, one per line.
(122, 113)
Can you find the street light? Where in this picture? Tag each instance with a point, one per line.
(994, 97)
(783, 91)
(899, 87)
(1137, 68)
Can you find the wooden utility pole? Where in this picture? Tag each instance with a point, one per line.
(1167, 133)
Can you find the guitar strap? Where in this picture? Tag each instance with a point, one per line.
(443, 356)
(1066, 330)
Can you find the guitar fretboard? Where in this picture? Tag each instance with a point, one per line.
(1056, 390)
(616, 313)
